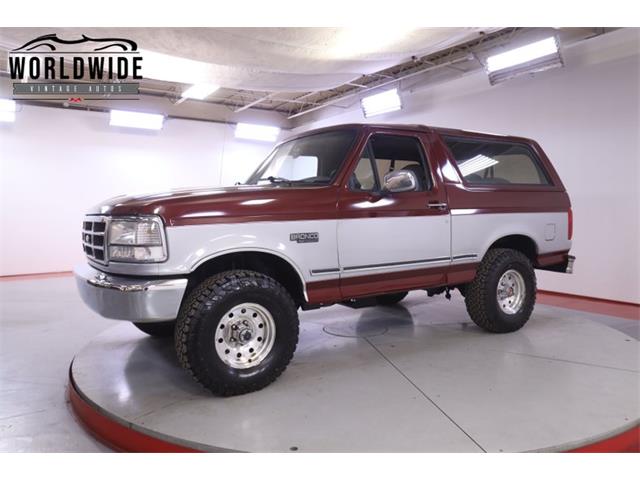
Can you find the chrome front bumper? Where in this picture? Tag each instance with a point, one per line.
(123, 298)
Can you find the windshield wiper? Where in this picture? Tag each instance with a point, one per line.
(314, 180)
(273, 179)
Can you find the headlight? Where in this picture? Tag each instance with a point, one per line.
(136, 240)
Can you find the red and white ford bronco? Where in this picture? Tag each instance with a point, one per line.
(353, 214)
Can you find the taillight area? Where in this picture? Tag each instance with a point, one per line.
(570, 224)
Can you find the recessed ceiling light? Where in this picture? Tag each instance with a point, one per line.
(379, 103)
(171, 68)
(200, 91)
(124, 118)
(262, 133)
(354, 42)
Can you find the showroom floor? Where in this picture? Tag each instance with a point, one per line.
(44, 325)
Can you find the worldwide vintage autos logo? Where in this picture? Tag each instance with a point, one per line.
(52, 68)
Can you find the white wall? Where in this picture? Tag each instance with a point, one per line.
(586, 117)
(55, 164)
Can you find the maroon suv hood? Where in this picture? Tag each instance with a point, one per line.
(226, 205)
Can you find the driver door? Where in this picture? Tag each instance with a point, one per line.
(392, 241)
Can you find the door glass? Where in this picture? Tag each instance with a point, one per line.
(394, 153)
(363, 177)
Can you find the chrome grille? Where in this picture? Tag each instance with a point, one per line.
(93, 238)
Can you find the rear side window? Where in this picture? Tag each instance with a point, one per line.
(496, 163)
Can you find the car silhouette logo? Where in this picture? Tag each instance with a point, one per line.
(51, 42)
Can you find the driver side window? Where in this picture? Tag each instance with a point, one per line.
(396, 152)
(364, 177)
(388, 153)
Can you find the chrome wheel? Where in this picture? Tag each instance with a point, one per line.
(511, 292)
(245, 335)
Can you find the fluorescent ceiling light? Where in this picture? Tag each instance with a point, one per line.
(521, 55)
(7, 110)
(476, 164)
(263, 133)
(384, 102)
(200, 91)
(123, 118)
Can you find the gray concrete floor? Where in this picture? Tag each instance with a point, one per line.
(43, 324)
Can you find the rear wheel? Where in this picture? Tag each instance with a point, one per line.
(391, 298)
(237, 332)
(157, 329)
(501, 297)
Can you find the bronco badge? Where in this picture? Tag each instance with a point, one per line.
(308, 237)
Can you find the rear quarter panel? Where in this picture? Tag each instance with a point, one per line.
(481, 215)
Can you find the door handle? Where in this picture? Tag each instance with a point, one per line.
(437, 205)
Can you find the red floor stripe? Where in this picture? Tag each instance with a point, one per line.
(630, 311)
(588, 298)
(626, 442)
(115, 435)
(35, 276)
(124, 439)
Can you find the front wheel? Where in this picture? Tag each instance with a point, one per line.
(501, 297)
(237, 332)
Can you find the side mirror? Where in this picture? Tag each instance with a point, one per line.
(400, 181)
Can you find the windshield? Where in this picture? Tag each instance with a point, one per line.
(314, 159)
